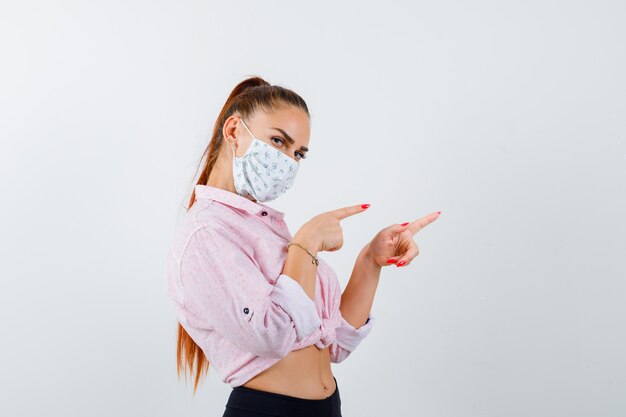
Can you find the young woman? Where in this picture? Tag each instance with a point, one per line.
(251, 298)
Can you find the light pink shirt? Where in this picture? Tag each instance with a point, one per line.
(224, 275)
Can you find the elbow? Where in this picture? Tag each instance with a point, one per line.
(280, 331)
(276, 331)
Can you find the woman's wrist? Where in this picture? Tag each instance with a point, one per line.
(305, 239)
(366, 257)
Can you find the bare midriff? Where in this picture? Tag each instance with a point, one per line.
(303, 373)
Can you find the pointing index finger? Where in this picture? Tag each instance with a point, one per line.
(344, 212)
(420, 223)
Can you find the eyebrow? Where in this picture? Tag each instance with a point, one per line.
(304, 148)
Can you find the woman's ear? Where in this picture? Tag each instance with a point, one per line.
(229, 130)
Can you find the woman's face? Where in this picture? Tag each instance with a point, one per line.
(287, 129)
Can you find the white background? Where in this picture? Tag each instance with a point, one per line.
(509, 117)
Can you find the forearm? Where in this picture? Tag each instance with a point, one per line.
(300, 267)
(358, 296)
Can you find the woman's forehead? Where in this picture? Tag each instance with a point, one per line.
(291, 122)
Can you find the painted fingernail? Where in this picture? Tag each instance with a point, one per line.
(404, 224)
(365, 206)
(438, 212)
(391, 261)
(400, 263)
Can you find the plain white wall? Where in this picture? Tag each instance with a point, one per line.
(510, 117)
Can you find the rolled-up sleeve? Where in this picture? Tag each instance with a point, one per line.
(224, 290)
(348, 338)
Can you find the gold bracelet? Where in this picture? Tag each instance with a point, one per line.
(314, 261)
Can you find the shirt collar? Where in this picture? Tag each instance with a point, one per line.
(235, 200)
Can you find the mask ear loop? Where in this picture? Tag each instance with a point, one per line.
(232, 146)
(244, 124)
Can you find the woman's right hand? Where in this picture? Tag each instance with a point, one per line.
(323, 232)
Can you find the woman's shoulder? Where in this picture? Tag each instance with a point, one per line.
(211, 212)
(220, 227)
(206, 213)
(202, 217)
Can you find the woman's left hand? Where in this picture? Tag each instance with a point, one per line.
(394, 244)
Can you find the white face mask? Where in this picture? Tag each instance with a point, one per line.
(263, 172)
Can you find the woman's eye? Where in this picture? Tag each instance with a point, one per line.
(281, 141)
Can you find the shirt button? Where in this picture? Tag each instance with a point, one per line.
(246, 310)
(264, 213)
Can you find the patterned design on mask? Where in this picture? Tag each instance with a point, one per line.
(263, 172)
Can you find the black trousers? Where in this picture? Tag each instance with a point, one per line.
(248, 402)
